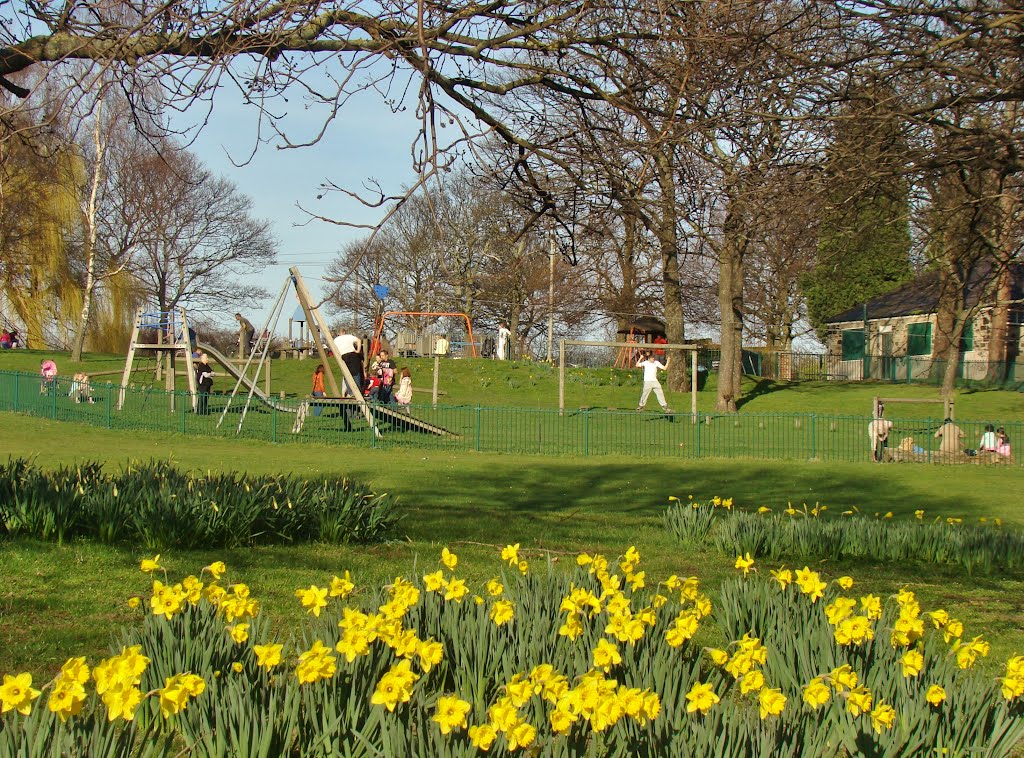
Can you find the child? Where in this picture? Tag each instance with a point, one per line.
(404, 394)
(48, 372)
(1003, 448)
(81, 389)
(651, 366)
(318, 387)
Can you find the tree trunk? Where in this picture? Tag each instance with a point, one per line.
(668, 241)
(89, 220)
(998, 341)
(730, 304)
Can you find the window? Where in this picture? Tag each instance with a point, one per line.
(919, 339)
(853, 344)
(967, 338)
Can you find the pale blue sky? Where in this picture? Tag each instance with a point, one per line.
(366, 141)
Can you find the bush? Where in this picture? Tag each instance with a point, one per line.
(157, 506)
(809, 535)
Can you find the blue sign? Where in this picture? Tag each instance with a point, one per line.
(380, 290)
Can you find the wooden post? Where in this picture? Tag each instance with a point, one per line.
(266, 377)
(561, 377)
(437, 368)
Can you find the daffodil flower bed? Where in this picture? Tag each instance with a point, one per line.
(600, 661)
(814, 533)
(157, 506)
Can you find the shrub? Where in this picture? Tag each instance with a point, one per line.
(158, 506)
(809, 535)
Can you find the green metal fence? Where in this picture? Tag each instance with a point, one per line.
(761, 436)
(893, 369)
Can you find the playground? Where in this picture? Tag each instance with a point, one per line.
(510, 468)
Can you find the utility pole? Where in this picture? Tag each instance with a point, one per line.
(551, 291)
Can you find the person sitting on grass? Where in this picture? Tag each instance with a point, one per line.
(989, 441)
(1003, 446)
(951, 436)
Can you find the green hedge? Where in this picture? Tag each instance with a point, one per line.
(154, 505)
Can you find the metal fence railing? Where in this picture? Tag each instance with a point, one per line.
(893, 369)
(762, 436)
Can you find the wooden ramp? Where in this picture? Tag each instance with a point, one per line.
(397, 419)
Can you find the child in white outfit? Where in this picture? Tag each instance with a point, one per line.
(651, 384)
(404, 394)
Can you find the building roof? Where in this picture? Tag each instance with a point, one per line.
(644, 325)
(920, 296)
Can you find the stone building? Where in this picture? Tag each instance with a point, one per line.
(891, 337)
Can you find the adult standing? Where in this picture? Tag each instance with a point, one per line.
(348, 347)
(246, 331)
(204, 383)
(878, 432)
(651, 366)
(503, 336)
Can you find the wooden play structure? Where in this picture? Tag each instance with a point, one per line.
(351, 399)
(639, 334)
(166, 333)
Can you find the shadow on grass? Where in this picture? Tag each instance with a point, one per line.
(557, 500)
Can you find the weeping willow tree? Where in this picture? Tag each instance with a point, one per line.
(38, 214)
(114, 313)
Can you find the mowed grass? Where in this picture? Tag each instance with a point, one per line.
(61, 601)
(528, 384)
(510, 408)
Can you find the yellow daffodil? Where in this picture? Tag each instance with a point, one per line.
(217, 569)
(744, 563)
(149, 565)
(816, 693)
(701, 697)
(936, 695)
(239, 633)
(16, 694)
(911, 663)
(482, 736)
(501, 612)
(451, 714)
(449, 559)
(313, 599)
(845, 582)
(859, 701)
(268, 656)
(770, 702)
(342, 586)
(883, 717)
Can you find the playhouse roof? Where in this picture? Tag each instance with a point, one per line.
(644, 325)
(921, 295)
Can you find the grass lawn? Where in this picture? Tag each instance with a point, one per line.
(510, 408)
(61, 601)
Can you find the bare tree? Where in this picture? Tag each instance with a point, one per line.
(199, 234)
